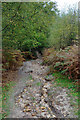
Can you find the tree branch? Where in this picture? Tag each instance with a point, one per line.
(11, 18)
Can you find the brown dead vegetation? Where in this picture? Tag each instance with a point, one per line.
(65, 61)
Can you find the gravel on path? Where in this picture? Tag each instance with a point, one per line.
(30, 97)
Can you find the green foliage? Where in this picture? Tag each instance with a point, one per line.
(63, 81)
(63, 71)
(64, 30)
(57, 64)
(26, 25)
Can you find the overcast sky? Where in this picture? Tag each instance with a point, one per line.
(64, 4)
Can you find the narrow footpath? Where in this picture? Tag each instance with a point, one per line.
(31, 97)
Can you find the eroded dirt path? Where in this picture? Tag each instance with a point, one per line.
(34, 96)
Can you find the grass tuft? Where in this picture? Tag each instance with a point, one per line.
(6, 92)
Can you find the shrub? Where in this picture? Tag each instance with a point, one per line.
(49, 55)
(28, 55)
(12, 59)
(65, 61)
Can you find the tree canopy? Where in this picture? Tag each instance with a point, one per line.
(31, 26)
(26, 25)
(64, 30)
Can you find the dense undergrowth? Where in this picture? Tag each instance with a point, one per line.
(65, 61)
(12, 59)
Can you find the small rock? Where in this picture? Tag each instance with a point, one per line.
(44, 89)
(43, 114)
(27, 105)
(46, 100)
(42, 108)
(47, 86)
(27, 110)
(22, 105)
(48, 116)
(53, 116)
(46, 105)
(25, 90)
(33, 114)
(45, 95)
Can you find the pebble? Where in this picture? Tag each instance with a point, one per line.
(53, 116)
(22, 105)
(47, 86)
(48, 116)
(41, 108)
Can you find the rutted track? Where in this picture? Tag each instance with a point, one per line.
(30, 98)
